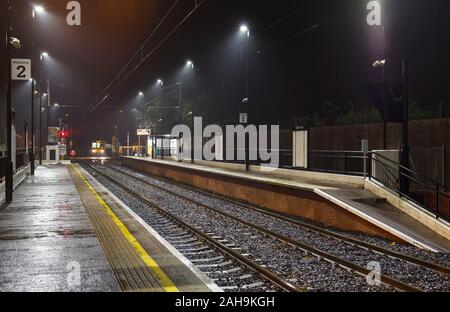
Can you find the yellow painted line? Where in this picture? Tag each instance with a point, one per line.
(167, 284)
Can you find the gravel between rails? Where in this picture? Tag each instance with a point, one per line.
(417, 276)
(406, 249)
(302, 269)
(232, 281)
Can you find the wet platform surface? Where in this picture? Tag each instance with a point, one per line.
(64, 232)
(46, 238)
(140, 259)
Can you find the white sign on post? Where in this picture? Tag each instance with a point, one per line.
(21, 69)
(63, 150)
(243, 118)
(143, 132)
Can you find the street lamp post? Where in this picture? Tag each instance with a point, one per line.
(190, 65)
(404, 183)
(141, 102)
(244, 29)
(41, 109)
(40, 127)
(32, 164)
(382, 64)
(36, 9)
(9, 165)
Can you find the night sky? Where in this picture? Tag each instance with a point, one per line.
(323, 52)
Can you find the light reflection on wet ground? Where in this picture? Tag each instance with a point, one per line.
(45, 233)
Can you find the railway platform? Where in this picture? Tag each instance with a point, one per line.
(65, 232)
(345, 202)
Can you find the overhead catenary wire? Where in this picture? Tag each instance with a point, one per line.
(141, 48)
(140, 52)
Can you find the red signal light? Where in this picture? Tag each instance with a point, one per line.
(64, 134)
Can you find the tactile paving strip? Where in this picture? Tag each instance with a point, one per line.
(132, 273)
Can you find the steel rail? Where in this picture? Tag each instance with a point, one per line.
(320, 231)
(266, 274)
(396, 284)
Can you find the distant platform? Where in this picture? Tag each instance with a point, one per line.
(65, 232)
(92, 158)
(326, 198)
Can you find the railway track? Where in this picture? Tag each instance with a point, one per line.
(309, 227)
(192, 242)
(336, 261)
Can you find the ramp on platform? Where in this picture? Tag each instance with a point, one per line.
(376, 210)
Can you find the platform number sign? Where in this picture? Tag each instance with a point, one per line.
(20, 69)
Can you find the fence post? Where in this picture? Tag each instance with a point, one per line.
(365, 150)
(437, 201)
(346, 162)
(444, 179)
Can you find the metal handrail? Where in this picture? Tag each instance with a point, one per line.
(405, 169)
(433, 199)
(339, 162)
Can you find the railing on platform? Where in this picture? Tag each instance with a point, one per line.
(338, 162)
(22, 159)
(3, 163)
(408, 184)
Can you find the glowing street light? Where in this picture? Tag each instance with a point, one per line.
(39, 9)
(159, 82)
(56, 105)
(44, 55)
(190, 64)
(379, 63)
(245, 30)
(141, 93)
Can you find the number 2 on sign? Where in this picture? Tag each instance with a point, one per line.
(21, 71)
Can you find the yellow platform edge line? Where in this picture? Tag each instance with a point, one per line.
(167, 284)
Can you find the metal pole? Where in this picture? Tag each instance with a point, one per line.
(247, 136)
(25, 129)
(365, 166)
(9, 165)
(128, 143)
(33, 85)
(32, 128)
(193, 123)
(405, 148)
(444, 168)
(40, 130)
(139, 143)
(385, 124)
